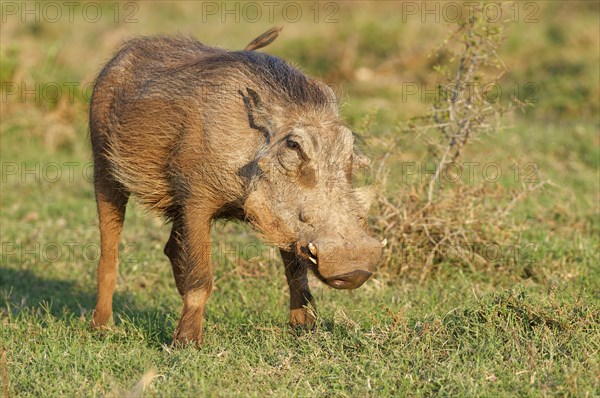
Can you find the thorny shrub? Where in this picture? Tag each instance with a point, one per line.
(451, 221)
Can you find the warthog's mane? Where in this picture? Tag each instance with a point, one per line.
(273, 74)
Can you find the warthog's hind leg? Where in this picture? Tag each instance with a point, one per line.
(111, 201)
(174, 250)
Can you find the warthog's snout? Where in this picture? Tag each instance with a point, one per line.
(350, 280)
(343, 264)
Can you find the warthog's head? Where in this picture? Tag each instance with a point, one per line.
(302, 197)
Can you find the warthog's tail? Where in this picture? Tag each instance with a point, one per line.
(263, 40)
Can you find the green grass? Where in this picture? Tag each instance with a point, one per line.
(528, 329)
(530, 326)
(503, 342)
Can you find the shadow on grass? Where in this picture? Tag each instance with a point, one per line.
(66, 299)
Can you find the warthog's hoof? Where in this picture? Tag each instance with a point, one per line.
(302, 317)
(101, 320)
(184, 339)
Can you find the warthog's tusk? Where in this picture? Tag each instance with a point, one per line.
(383, 243)
(312, 248)
(314, 260)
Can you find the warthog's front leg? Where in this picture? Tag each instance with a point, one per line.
(198, 278)
(302, 305)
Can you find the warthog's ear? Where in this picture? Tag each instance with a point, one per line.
(258, 118)
(263, 40)
(361, 161)
(364, 196)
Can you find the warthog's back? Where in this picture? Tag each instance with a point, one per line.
(163, 104)
(140, 111)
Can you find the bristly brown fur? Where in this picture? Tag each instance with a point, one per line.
(198, 133)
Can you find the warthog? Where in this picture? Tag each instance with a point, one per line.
(199, 133)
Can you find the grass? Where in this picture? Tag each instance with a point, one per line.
(503, 342)
(528, 326)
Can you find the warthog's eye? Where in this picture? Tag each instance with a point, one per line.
(292, 144)
(291, 160)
